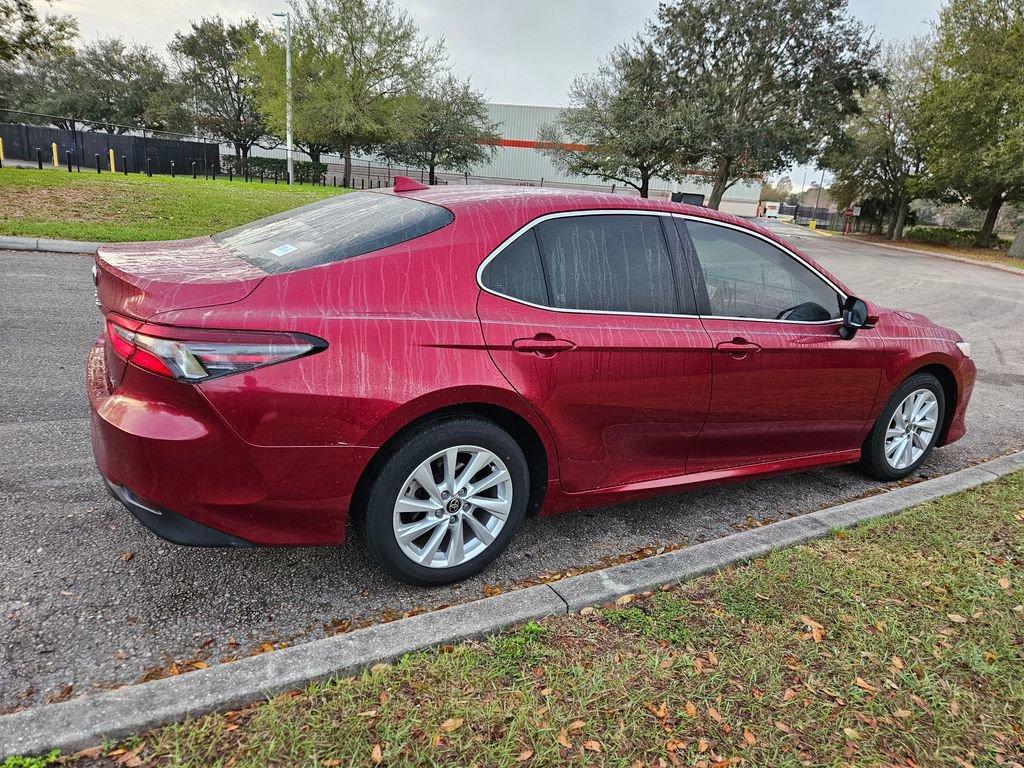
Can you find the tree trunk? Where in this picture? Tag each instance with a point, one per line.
(645, 185)
(721, 182)
(901, 219)
(346, 174)
(994, 205)
(431, 176)
(314, 155)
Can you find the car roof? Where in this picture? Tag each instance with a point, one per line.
(526, 203)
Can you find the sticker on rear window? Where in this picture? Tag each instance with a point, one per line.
(283, 250)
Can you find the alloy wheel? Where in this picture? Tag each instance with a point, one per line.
(911, 428)
(453, 506)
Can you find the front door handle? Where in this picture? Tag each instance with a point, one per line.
(738, 348)
(543, 345)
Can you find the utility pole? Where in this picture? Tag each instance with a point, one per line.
(288, 88)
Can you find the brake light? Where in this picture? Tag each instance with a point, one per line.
(197, 354)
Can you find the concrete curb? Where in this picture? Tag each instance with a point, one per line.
(44, 244)
(88, 720)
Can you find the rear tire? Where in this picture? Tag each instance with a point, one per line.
(416, 517)
(906, 430)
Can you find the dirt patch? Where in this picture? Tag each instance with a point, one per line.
(90, 204)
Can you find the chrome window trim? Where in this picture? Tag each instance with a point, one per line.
(665, 214)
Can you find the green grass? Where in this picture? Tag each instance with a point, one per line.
(111, 207)
(901, 640)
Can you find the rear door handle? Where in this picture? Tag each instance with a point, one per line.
(738, 348)
(543, 344)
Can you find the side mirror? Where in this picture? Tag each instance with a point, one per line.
(855, 317)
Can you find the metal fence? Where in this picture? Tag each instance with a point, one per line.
(136, 151)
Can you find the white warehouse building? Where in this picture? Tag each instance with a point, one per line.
(518, 160)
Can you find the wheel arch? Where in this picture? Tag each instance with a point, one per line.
(524, 428)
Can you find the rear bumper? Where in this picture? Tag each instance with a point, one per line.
(171, 526)
(179, 468)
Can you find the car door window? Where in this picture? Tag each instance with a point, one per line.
(516, 271)
(747, 277)
(612, 263)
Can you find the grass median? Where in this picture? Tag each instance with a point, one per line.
(110, 207)
(900, 642)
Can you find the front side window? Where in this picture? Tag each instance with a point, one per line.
(333, 229)
(748, 277)
(613, 263)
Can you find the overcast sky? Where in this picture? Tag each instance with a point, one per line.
(523, 52)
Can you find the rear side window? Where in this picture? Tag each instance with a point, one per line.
(517, 272)
(613, 263)
(333, 229)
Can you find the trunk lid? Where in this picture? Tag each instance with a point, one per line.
(142, 279)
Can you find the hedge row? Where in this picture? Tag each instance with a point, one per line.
(306, 172)
(948, 236)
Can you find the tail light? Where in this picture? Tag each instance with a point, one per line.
(198, 354)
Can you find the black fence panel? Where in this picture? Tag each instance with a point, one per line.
(21, 141)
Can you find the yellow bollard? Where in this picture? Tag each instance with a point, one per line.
(53, 151)
(1, 149)
(110, 153)
(812, 224)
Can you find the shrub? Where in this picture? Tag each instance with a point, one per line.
(950, 237)
(306, 172)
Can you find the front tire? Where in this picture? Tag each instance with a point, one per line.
(446, 501)
(907, 429)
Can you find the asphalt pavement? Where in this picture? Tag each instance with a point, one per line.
(89, 599)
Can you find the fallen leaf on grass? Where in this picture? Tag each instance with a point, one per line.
(376, 754)
(525, 755)
(563, 739)
(332, 762)
(451, 724)
(714, 715)
(903, 714)
(898, 662)
(851, 733)
(591, 745)
(575, 725)
(625, 599)
(863, 684)
(956, 618)
(88, 754)
(691, 709)
(1004, 583)
(748, 736)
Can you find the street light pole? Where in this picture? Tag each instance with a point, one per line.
(288, 88)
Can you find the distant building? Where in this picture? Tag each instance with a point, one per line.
(518, 160)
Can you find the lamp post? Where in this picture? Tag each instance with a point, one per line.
(288, 87)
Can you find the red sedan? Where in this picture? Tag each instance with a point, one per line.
(433, 364)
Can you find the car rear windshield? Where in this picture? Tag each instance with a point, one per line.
(333, 229)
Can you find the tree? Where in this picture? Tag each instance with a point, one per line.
(107, 85)
(358, 67)
(210, 59)
(451, 130)
(974, 107)
(23, 33)
(773, 78)
(777, 190)
(879, 152)
(620, 126)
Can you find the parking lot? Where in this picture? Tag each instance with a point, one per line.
(89, 598)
